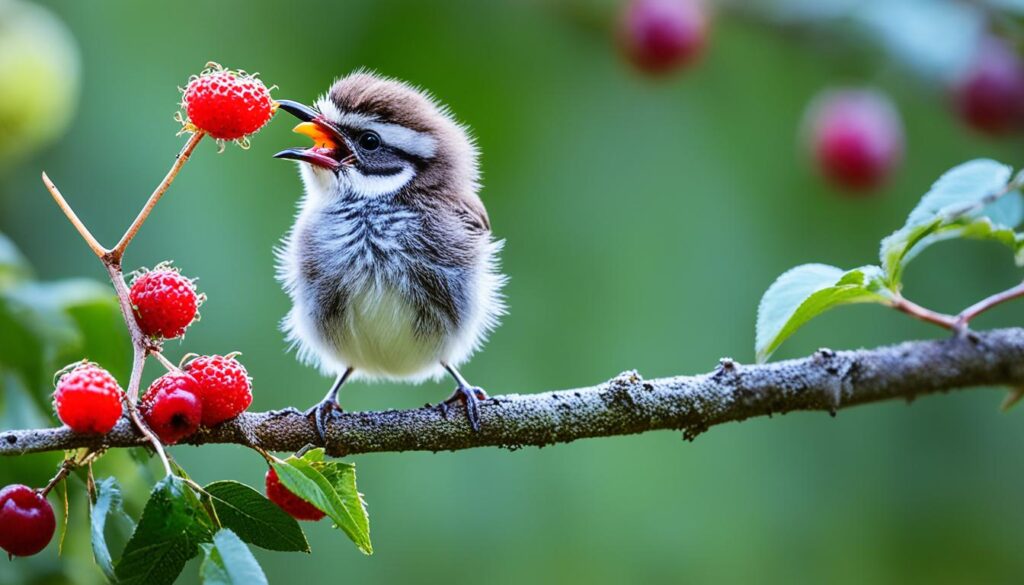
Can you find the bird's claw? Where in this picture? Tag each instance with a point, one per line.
(471, 396)
(321, 415)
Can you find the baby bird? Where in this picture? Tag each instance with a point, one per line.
(391, 266)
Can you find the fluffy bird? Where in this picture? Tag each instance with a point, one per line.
(391, 266)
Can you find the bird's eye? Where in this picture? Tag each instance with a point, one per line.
(369, 141)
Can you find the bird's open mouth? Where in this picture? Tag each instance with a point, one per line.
(330, 148)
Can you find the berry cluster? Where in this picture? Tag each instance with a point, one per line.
(209, 391)
(205, 390)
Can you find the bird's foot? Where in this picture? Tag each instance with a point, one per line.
(321, 414)
(471, 396)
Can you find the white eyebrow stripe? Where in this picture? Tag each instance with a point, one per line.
(411, 141)
(406, 139)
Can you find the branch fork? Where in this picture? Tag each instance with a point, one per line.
(142, 345)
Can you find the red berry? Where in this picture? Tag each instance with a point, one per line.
(88, 399)
(227, 104)
(661, 35)
(225, 389)
(990, 94)
(289, 502)
(172, 408)
(856, 137)
(26, 521)
(165, 302)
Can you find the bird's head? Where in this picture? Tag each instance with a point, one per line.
(376, 137)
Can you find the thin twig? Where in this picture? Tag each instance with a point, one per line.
(65, 468)
(164, 361)
(68, 465)
(182, 157)
(141, 346)
(94, 245)
(139, 339)
(967, 315)
(927, 315)
(138, 363)
(826, 381)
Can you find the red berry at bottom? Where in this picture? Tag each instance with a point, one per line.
(27, 523)
(661, 35)
(172, 408)
(856, 137)
(88, 399)
(289, 502)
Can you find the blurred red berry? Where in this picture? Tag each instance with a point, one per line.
(165, 302)
(172, 407)
(225, 389)
(227, 104)
(990, 93)
(27, 523)
(856, 137)
(662, 35)
(289, 502)
(88, 399)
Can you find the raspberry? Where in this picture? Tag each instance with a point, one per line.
(88, 399)
(856, 137)
(661, 35)
(227, 105)
(26, 521)
(165, 302)
(172, 408)
(225, 389)
(990, 94)
(289, 502)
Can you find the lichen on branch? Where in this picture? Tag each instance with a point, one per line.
(825, 381)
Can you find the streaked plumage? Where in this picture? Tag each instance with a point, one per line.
(391, 265)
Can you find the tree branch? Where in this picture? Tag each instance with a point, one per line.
(627, 404)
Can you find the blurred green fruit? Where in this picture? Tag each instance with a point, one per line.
(39, 78)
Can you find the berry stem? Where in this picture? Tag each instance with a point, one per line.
(164, 361)
(65, 469)
(182, 157)
(67, 466)
(94, 245)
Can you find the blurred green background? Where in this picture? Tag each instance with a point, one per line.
(643, 218)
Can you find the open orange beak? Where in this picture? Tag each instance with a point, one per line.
(321, 138)
(330, 148)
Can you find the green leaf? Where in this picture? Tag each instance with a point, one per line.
(254, 518)
(44, 326)
(331, 487)
(229, 562)
(805, 292)
(964, 194)
(108, 503)
(961, 190)
(13, 266)
(102, 338)
(172, 525)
